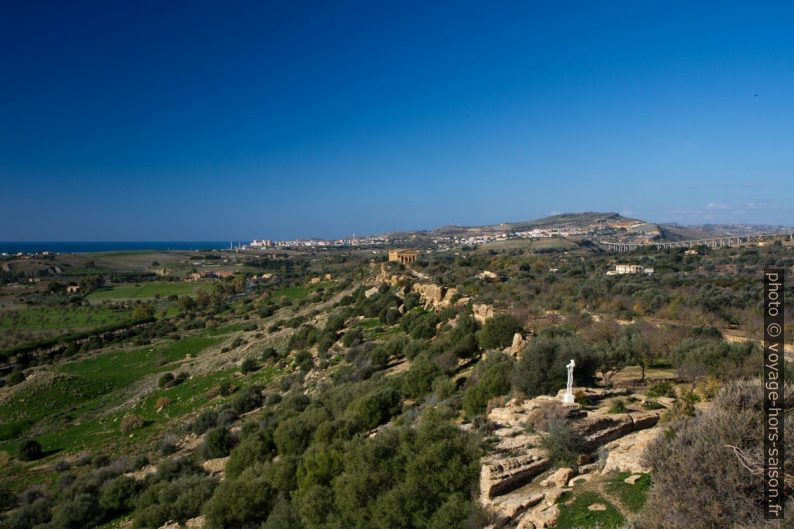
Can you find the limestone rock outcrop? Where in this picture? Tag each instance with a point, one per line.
(516, 483)
(434, 296)
(517, 347)
(560, 477)
(504, 475)
(482, 312)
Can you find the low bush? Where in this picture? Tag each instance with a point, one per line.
(244, 501)
(498, 332)
(131, 422)
(703, 443)
(207, 419)
(177, 500)
(652, 405)
(661, 389)
(247, 399)
(562, 443)
(118, 495)
(618, 406)
(28, 450)
(167, 445)
(218, 442)
(491, 379)
(249, 365)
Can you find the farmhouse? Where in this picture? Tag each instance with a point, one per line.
(621, 269)
(402, 256)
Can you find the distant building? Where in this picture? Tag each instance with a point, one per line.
(403, 256)
(622, 269)
(216, 274)
(262, 244)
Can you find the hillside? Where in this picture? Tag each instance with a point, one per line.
(335, 389)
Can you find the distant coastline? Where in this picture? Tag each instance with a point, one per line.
(110, 246)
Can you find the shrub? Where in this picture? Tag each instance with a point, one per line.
(709, 387)
(248, 399)
(491, 379)
(497, 332)
(80, 510)
(177, 500)
(249, 365)
(618, 406)
(283, 516)
(131, 422)
(652, 405)
(167, 445)
(15, 377)
(206, 420)
(166, 380)
(246, 500)
(254, 448)
(8, 499)
(353, 337)
(292, 436)
(28, 450)
(118, 495)
(34, 514)
(227, 416)
(375, 408)
(545, 415)
(542, 369)
(217, 443)
(661, 389)
(562, 443)
(420, 324)
(736, 419)
(717, 358)
(418, 381)
(269, 353)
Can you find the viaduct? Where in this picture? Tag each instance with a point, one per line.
(713, 243)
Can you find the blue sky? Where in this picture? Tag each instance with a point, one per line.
(214, 120)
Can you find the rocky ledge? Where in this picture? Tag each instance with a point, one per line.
(516, 481)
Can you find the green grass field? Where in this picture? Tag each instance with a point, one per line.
(36, 323)
(64, 412)
(149, 290)
(61, 318)
(297, 293)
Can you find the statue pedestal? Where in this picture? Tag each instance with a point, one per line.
(567, 398)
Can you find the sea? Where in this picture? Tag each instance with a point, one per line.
(111, 246)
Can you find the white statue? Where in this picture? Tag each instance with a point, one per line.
(568, 397)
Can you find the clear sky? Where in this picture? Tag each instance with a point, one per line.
(194, 120)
